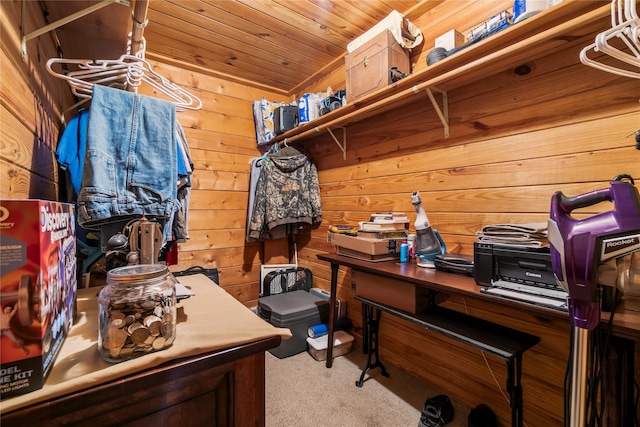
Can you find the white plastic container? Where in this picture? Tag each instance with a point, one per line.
(342, 342)
(523, 9)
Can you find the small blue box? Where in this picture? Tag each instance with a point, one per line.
(304, 109)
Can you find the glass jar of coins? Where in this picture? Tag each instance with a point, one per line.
(137, 312)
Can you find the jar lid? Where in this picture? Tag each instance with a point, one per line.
(130, 273)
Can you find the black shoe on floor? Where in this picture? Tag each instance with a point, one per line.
(436, 412)
(482, 416)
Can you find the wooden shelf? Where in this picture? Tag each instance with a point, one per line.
(539, 36)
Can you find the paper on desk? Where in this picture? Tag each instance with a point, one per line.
(530, 235)
(183, 292)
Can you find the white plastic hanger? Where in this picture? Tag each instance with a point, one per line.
(625, 26)
(127, 72)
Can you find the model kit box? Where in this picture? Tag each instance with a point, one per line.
(37, 290)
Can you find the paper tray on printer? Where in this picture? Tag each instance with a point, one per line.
(556, 299)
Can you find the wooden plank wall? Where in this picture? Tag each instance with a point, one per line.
(221, 137)
(222, 140)
(514, 141)
(30, 102)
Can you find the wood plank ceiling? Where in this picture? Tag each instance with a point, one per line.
(273, 43)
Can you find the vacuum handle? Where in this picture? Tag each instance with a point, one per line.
(443, 247)
(568, 204)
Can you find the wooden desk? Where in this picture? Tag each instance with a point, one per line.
(626, 325)
(212, 375)
(428, 278)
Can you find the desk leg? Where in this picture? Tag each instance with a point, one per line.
(372, 323)
(514, 388)
(332, 312)
(365, 329)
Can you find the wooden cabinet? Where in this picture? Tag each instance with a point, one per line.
(221, 388)
(213, 374)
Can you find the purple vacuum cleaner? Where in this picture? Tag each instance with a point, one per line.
(578, 248)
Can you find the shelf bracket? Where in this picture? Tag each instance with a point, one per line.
(63, 21)
(342, 146)
(443, 113)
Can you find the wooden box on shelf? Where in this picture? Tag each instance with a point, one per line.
(368, 67)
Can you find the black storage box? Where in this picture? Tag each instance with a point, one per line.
(286, 118)
(297, 311)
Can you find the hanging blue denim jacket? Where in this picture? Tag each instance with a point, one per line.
(130, 164)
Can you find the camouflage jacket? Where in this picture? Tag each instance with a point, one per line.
(287, 193)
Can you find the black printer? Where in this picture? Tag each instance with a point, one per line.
(493, 262)
(521, 274)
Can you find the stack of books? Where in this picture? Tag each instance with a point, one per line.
(384, 225)
(378, 239)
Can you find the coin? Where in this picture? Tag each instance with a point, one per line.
(118, 323)
(132, 327)
(159, 343)
(116, 335)
(166, 329)
(117, 314)
(170, 340)
(126, 352)
(148, 304)
(157, 311)
(139, 335)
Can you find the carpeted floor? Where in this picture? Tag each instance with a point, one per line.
(301, 391)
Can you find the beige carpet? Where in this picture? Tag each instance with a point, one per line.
(303, 392)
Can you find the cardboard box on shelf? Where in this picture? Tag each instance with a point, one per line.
(366, 257)
(450, 40)
(37, 290)
(366, 246)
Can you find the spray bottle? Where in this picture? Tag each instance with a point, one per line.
(428, 241)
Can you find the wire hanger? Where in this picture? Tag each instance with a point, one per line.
(625, 27)
(127, 72)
